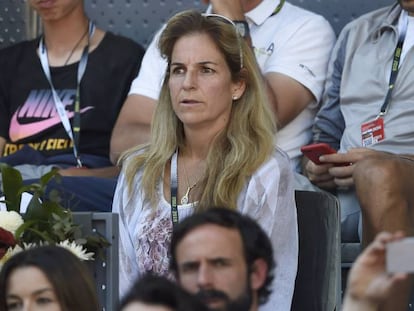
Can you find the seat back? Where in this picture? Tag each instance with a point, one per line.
(140, 19)
(338, 12)
(104, 270)
(318, 281)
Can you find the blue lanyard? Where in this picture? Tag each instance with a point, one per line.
(73, 133)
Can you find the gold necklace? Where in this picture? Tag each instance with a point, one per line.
(185, 198)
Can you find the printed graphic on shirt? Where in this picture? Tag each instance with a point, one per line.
(262, 54)
(38, 113)
(51, 144)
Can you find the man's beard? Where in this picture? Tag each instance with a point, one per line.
(241, 303)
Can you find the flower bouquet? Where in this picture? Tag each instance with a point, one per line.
(44, 222)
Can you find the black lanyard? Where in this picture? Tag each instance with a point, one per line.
(72, 131)
(174, 188)
(395, 64)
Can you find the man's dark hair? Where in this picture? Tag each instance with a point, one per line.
(153, 289)
(256, 243)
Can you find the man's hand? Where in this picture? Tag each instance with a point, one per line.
(319, 174)
(337, 168)
(344, 164)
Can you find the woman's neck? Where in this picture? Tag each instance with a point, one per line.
(198, 143)
(198, 139)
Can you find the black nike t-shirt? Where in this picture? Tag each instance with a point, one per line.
(27, 110)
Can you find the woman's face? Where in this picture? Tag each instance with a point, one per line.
(139, 306)
(28, 289)
(200, 83)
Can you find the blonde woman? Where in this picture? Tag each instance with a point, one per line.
(211, 145)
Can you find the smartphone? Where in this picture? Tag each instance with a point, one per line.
(314, 151)
(400, 256)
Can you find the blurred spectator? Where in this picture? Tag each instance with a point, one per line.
(157, 293)
(225, 258)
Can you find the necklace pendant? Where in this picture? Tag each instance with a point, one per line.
(184, 199)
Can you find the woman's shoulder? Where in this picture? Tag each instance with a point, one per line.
(131, 155)
(278, 158)
(277, 167)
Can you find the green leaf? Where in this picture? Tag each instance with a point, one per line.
(45, 219)
(54, 196)
(39, 236)
(12, 182)
(35, 209)
(20, 230)
(44, 180)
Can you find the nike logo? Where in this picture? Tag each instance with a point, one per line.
(40, 105)
(19, 131)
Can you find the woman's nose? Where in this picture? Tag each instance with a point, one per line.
(190, 80)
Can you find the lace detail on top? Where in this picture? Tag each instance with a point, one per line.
(153, 243)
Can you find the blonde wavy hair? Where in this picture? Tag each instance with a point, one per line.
(238, 151)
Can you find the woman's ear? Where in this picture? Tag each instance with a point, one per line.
(238, 88)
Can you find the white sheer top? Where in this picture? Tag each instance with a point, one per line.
(268, 197)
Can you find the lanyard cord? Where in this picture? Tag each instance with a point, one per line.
(174, 188)
(395, 64)
(278, 8)
(73, 132)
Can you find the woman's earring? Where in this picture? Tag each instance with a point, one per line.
(235, 97)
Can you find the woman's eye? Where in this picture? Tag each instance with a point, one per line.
(177, 70)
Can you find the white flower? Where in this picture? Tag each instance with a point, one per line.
(33, 245)
(76, 249)
(10, 221)
(10, 252)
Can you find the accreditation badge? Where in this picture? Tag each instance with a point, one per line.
(372, 132)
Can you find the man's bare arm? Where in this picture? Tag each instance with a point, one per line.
(2, 144)
(288, 97)
(132, 126)
(103, 172)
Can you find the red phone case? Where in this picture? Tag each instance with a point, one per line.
(314, 151)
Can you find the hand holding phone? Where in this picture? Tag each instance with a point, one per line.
(314, 151)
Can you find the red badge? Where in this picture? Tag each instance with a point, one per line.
(372, 132)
